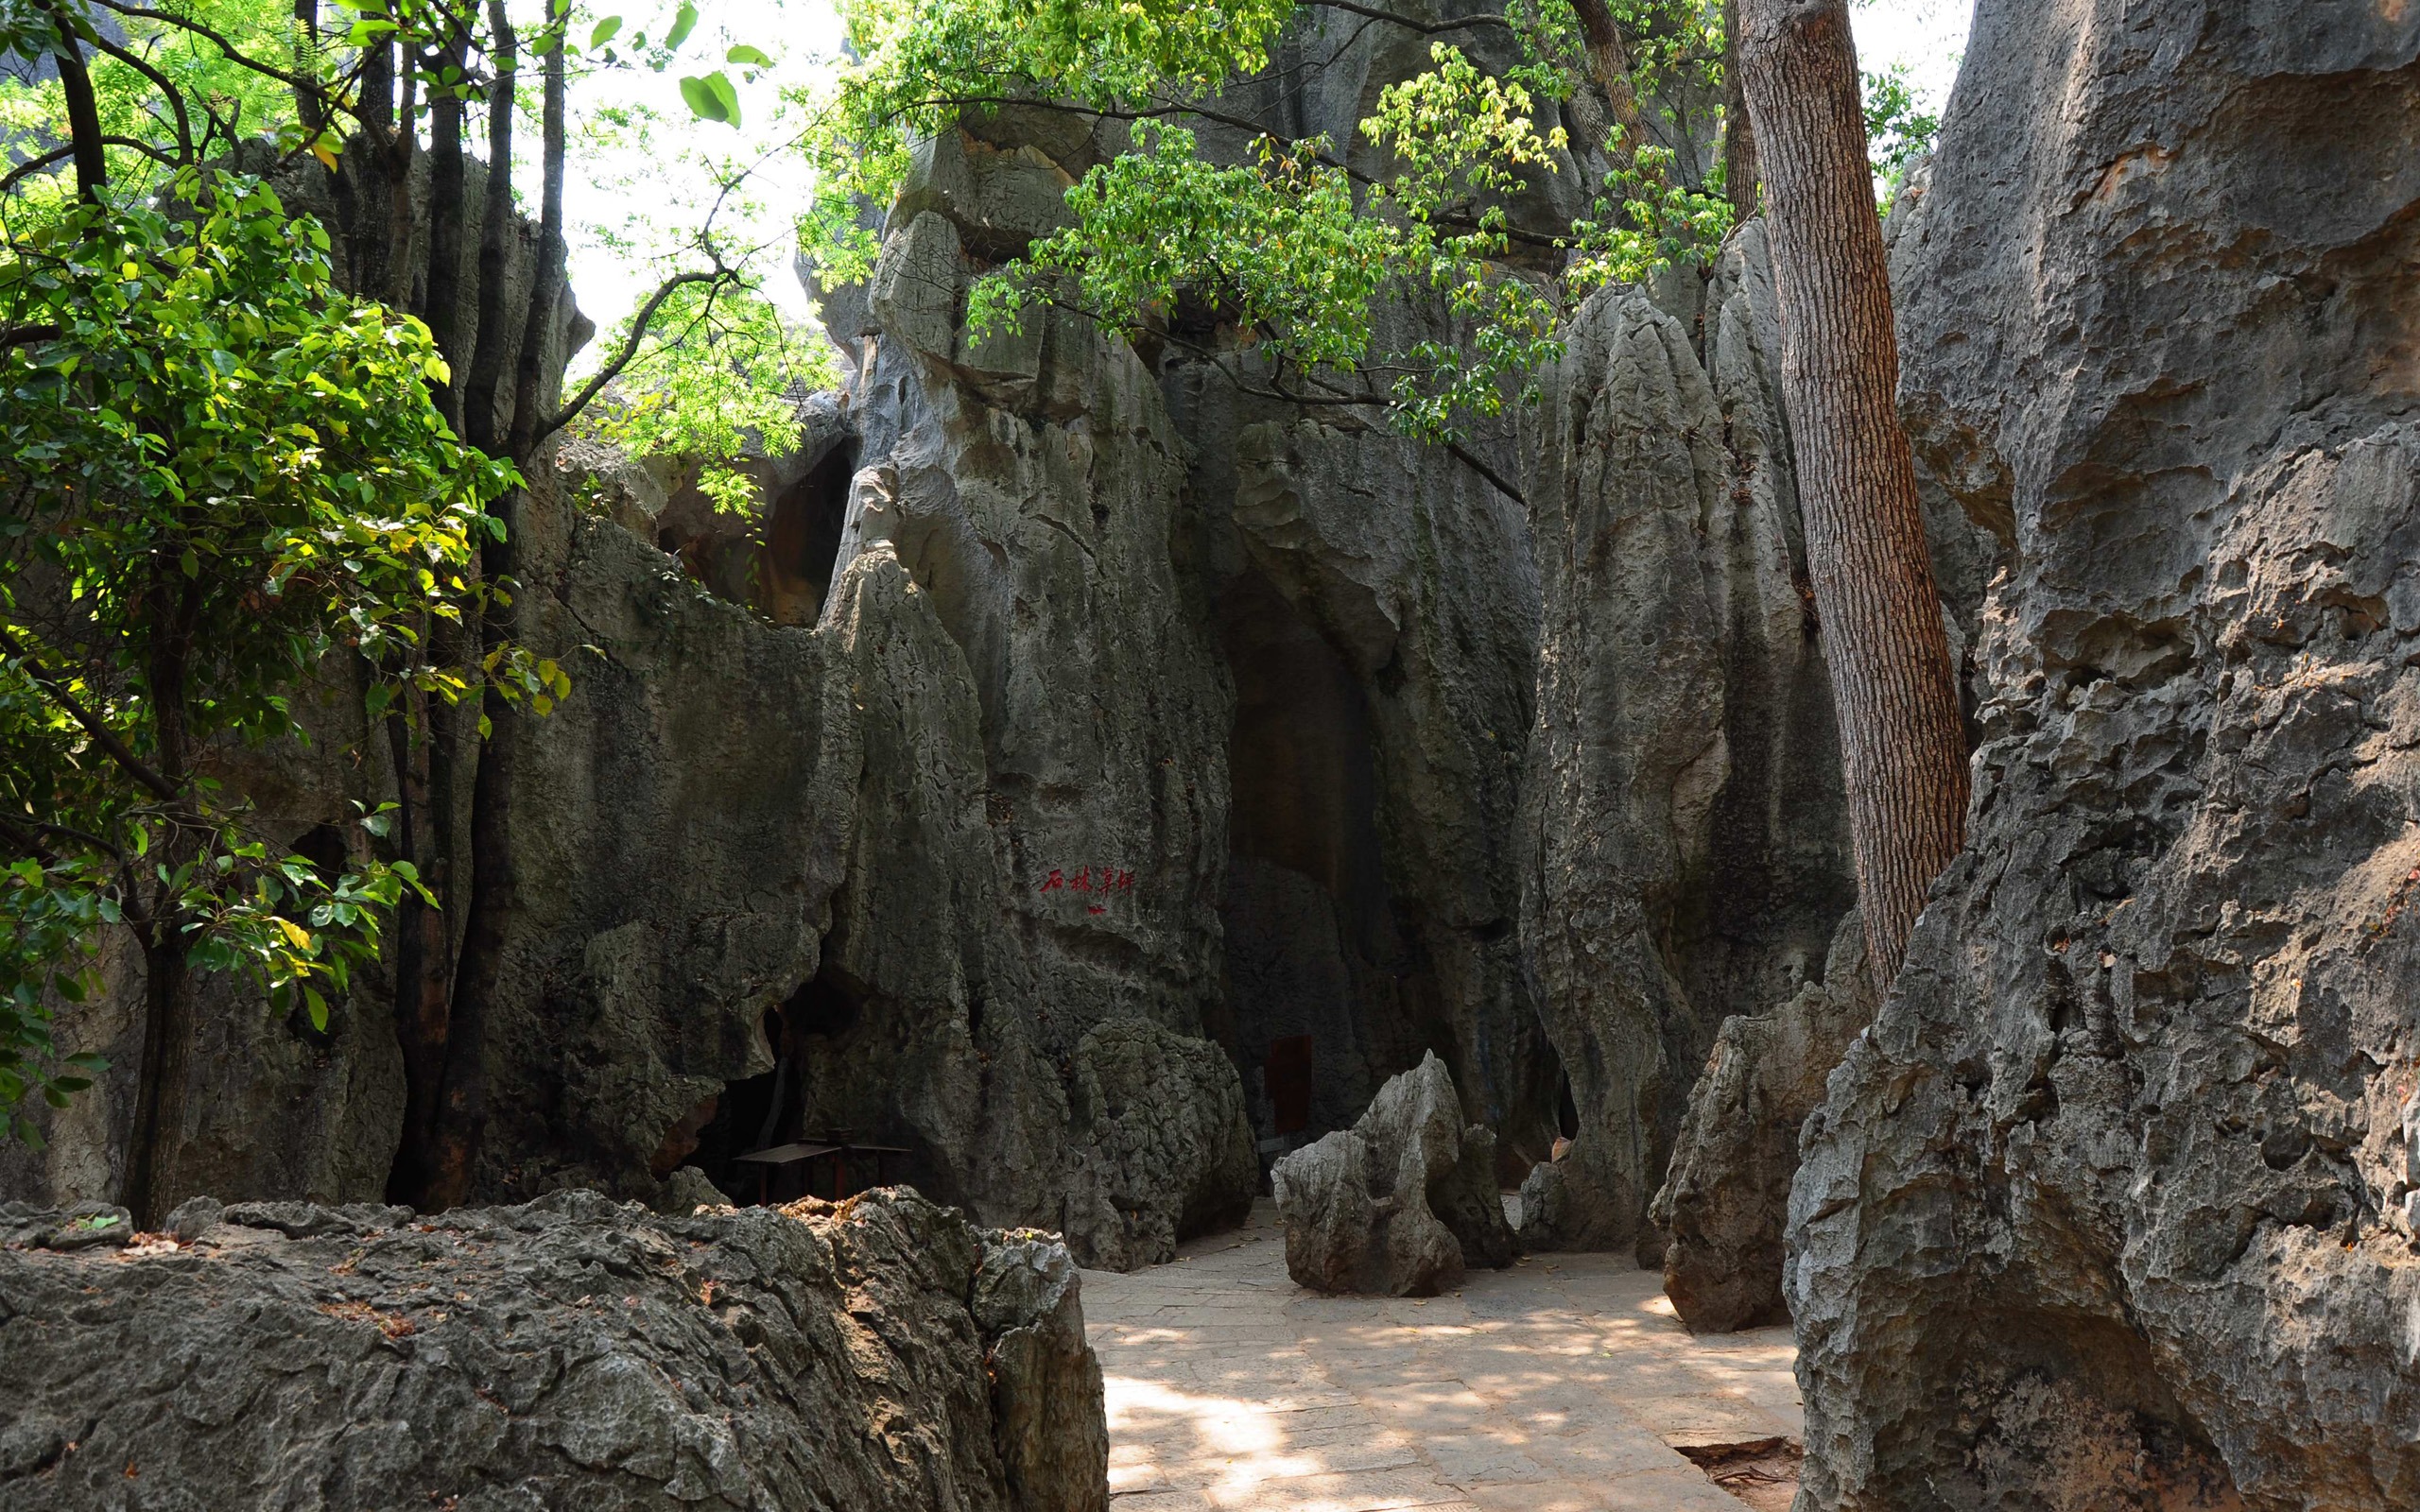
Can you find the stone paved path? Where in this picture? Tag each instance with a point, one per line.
(1558, 1385)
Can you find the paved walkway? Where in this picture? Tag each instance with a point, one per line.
(1562, 1385)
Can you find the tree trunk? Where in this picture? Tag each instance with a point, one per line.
(444, 314)
(160, 1079)
(83, 113)
(547, 284)
(1738, 133)
(151, 1184)
(399, 188)
(496, 233)
(1609, 65)
(1903, 746)
(310, 110)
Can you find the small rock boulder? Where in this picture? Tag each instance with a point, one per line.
(1726, 1203)
(1400, 1203)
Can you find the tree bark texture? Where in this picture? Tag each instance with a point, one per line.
(497, 228)
(1903, 746)
(1738, 133)
(443, 310)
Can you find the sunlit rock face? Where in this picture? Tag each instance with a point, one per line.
(2112, 1207)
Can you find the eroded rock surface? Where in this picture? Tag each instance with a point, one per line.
(1400, 1203)
(1724, 1206)
(1685, 846)
(569, 1352)
(2109, 1208)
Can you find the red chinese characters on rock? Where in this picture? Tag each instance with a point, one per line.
(1099, 881)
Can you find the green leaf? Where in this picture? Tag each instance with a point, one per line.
(319, 1007)
(682, 23)
(704, 100)
(747, 57)
(604, 32)
(728, 96)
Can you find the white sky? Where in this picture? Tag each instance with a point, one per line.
(620, 191)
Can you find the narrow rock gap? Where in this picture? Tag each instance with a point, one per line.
(1316, 945)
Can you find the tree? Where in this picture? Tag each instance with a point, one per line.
(226, 474)
(1903, 744)
(221, 470)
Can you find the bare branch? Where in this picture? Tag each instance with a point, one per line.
(1425, 28)
(175, 95)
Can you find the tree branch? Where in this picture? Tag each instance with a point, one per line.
(233, 55)
(103, 736)
(83, 113)
(1425, 28)
(630, 346)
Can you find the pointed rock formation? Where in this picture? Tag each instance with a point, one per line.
(1400, 1203)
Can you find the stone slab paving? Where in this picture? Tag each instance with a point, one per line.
(1562, 1385)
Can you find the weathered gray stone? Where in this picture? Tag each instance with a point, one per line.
(2108, 1208)
(566, 1353)
(1160, 1147)
(1399, 1203)
(1724, 1205)
(1686, 854)
(1379, 607)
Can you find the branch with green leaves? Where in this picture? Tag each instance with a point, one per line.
(223, 476)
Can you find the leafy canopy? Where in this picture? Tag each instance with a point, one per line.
(1293, 244)
(226, 485)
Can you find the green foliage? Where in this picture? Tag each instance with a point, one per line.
(919, 65)
(1286, 247)
(717, 372)
(224, 480)
(225, 101)
(1898, 130)
(1647, 221)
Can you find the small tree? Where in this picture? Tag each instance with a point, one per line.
(220, 472)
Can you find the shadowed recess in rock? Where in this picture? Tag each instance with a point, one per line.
(1313, 947)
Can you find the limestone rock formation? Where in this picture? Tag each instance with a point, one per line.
(569, 1352)
(2109, 1209)
(1724, 1206)
(1400, 1203)
(1687, 853)
(1156, 1114)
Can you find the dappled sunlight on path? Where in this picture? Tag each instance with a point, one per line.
(1562, 1385)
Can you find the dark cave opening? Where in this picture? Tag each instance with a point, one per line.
(751, 1114)
(832, 1085)
(802, 539)
(1316, 949)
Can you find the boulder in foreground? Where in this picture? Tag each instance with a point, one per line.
(884, 1353)
(1400, 1203)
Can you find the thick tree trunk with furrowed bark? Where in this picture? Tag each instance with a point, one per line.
(1903, 745)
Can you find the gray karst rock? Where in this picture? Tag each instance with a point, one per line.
(1686, 856)
(1724, 1205)
(1685, 845)
(1400, 1203)
(2109, 1208)
(1153, 1112)
(570, 1352)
